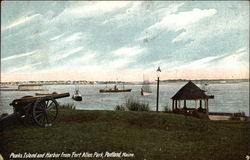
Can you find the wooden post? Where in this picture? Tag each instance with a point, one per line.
(201, 103)
(207, 106)
(157, 98)
(185, 106)
(173, 105)
(205, 101)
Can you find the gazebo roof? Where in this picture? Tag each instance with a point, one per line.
(190, 92)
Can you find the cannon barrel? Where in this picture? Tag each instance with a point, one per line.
(33, 99)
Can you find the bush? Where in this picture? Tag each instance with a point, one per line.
(70, 106)
(134, 105)
(119, 108)
(200, 115)
(167, 109)
(238, 116)
(4, 115)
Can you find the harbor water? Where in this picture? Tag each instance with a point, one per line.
(228, 97)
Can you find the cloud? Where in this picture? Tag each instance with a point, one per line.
(129, 13)
(234, 59)
(90, 9)
(172, 8)
(243, 49)
(37, 35)
(175, 22)
(119, 63)
(21, 21)
(123, 57)
(73, 37)
(128, 51)
(229, 61)
(72, 34)
(85, 58)
(19, 55)
(220, 25)
(200, 63)
(68, 53)
(28, 67)
(80, 63)
(56, 37)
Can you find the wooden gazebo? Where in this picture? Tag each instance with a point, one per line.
(190, 92)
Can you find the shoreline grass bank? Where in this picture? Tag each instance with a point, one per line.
(148, 135)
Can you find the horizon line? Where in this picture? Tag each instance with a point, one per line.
(127, 81)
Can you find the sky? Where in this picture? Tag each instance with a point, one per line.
(124, 40)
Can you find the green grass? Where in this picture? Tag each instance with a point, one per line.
(167, 109)
(4, 115)
(120, 108)
(68, 106)
(132, 104)
(149, 135)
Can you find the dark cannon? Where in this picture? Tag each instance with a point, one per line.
(43, 110)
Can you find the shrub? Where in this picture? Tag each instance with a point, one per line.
(134, 105)
(4, 115)
(119, 108)
(70, 106)
(200, 115)
(238, 116)
(167, 109)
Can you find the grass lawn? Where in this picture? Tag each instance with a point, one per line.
(147, 135)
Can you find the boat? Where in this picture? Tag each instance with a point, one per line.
(30, 87)
(4, 87)
(145, 90)
(77, 96)
(114, 90)
(26, 87)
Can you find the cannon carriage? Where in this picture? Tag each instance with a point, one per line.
(43, 110)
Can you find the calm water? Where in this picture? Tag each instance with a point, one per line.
(228, 97)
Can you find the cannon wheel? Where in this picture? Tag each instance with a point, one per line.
(45, 111)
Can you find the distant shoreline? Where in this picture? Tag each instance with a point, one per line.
(83, 82)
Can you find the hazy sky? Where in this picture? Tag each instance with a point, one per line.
(124, 40)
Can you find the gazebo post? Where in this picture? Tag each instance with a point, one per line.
(207, 106)
(185, 106)
(179, 104)
(200, 103)
(176, 104)
(173, 105)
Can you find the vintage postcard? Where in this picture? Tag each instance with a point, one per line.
(124, 80)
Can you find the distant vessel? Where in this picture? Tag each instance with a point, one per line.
(26, 87)
(77, 96)
(145, 90)
(115, 89)
(4, 87)
(33, 87)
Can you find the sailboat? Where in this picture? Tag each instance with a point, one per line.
(115, 89)
(77, 96)
(145, 90)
